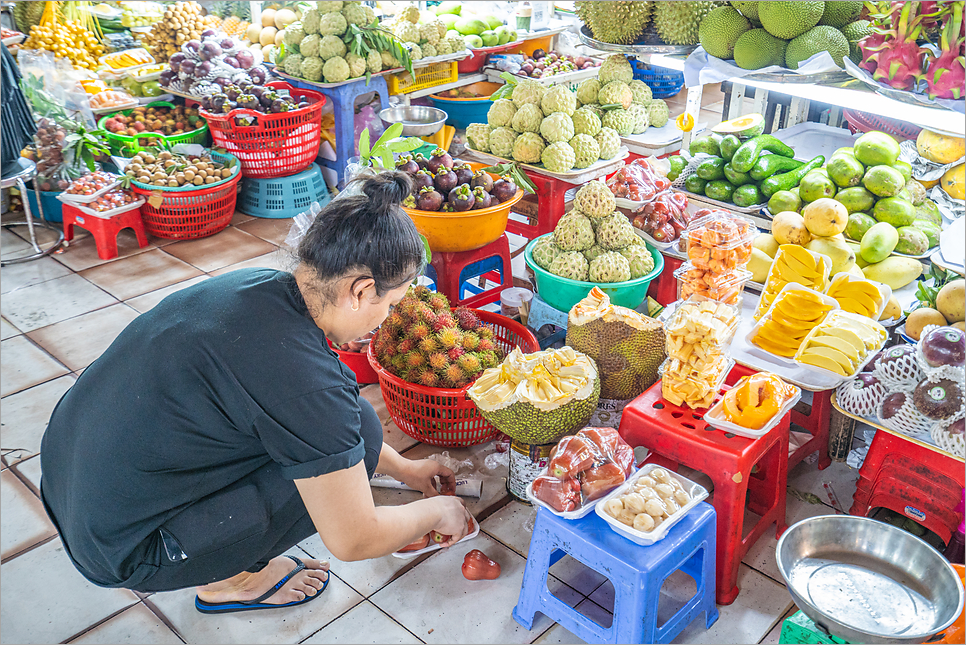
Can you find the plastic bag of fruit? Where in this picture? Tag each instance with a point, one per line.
(583, 468)
(666, 217)
(638, 181)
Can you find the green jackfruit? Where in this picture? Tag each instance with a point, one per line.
(748, 9)
(790, 19)
(720, 31)
(818, 39)
(854, 32)
(839, 14)
(758, 48)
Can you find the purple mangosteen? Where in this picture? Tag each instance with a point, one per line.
(482, 198)
(445, 180)
(429, 200)
(504, 188)
(439, 158)
(257, 74)
(407, 165)
(462, 198)
(482, 179)
(409, 202)
(464, 172)
(422, 179)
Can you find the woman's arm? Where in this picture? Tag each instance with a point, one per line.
(418, 474)
(352, 527)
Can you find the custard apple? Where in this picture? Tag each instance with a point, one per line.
(615, 68)
(595, 199)
(311, 68)
(544, 252)
(571, 265)
(558, 157)
(330, 47)
(309, 46)
(501, 142)
(335, 70)
(641, 91)
(312, 21)
(329, 7)
(558, 99)
(332, 24)
(292, 64)
(586, 122)
(388, 60)
(615, 231)
(478, 136)
(609, 142)
(527, 118)
(430, 33)
(293, 37)
(593, 252)
(657, 112)
(374, 62)
(429, 50)
(501, 113)
(557, 127)
(528, 147)
(587, 91)
(586, 150)
(354, 14)
(596, 109)
(621, 121)
(406, 32)
(616, 93)
(357, 65)
(574, 233)
(639, 258)
(528, 91)
(609, 267)
(415, 51)
(410, 14)
(639, 115)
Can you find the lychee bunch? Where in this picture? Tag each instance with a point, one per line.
(425, 342)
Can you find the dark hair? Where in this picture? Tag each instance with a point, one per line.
(367, 233)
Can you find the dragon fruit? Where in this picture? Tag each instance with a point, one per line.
(899, 60)
(946, 74)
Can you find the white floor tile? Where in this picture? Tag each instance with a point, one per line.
(23, 365)
(391, 434)
(807, 478)
(24, 417)
(23, 522)
(30, 468)
(52, 301)
(437, 604)
(7, 330)
(365, 576)
(560, 634)
(365, 623)
(44, 599)
(17, 276)
(135, 625)
(289, 625)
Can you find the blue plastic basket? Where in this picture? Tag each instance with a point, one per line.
(52, 205)
(283, 197)
(663, 82)
(461, 113)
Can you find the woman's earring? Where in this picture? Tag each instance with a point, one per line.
(356, 308)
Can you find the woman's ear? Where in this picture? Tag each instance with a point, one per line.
(364, 288)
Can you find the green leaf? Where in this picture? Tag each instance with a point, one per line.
(391, 133)
(364, 143)
(405, 145)
(429, 252)
(510, 79)
(387, 159)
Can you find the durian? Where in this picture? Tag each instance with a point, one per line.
(617, 22)
(677, 22)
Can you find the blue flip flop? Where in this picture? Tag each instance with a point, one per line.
(258, 603)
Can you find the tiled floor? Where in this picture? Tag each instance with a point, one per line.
(60, 313)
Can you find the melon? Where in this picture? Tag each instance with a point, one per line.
(253, 32)
(284, 17)
(940, 148)
(267, 36)
(268, 18)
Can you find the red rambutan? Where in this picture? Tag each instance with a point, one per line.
(488, 359)
(428, 345)
(405, 346)
(429, 379)
(443, 321)
(421, 291)
(449, 337)
(419, 331)
(486, 345)
(438, 303)
(393, 321)
(470, 364)
(485, 331)
(466, 318)
(470, 341)
(455, 353)
(415, 359)
(438, 361)
(454, 376)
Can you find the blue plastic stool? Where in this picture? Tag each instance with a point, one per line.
(283, 197)
(343, 100)
(637, 573)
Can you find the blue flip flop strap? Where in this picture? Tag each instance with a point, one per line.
(299, 565)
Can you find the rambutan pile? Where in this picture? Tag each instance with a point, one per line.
(425, 342)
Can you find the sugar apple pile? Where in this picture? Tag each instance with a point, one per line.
(425, 34)
(594, 242)
(622, 104)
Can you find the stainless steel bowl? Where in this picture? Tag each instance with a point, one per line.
(417, 120)
(868, 582)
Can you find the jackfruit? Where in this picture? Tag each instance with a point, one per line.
(748, 9)
(538, 398)
(720, 31)
(758, 48)
(627, 346)
(677, 22)
(790, 19)
(817, 40)
(839, 14)
(615, 22)
(854, 32)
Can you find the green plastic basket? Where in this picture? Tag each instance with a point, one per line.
(563, 293)
(122, 144)
(216, 156)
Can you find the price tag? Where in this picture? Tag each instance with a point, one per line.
(156, 199)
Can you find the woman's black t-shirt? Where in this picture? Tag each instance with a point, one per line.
(211, 384)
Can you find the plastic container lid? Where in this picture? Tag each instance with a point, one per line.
(723, 287)
(515, 296)
(716, 418)
(721, 230)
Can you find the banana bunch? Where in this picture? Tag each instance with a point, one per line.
(795, 313)
(794, 264)
(856, 296)
(841, 342)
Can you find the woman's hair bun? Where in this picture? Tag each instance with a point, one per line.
(386, 190)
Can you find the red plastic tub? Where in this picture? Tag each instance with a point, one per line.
(358, 362)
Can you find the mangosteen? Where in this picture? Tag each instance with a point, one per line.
(258, 90)
(447, 208)
(222, 82)
(175, 61)
(944, 346)
(527, 68)
(445, 180)
(938, 399)
(305, 104)
(439, 158)
(462, 198)
(205, 102)
(422, 179)
(232, 92)
(267, 98)
(218, 101)
(482, 179)
(891, 405)
(482, 198)
(257, 74)
(409, 202)
(504, 188)
(407, 165)
(429, 200)
(278, 105)
(464, 172)
(538, 54)
(245, 58)
(421, 161)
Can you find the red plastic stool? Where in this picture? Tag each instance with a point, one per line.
(927, 504)
(492, 262)
(104, 230)
(677, 435)
(889, 448)
(664, 288)
(816, 422)
(545, 208)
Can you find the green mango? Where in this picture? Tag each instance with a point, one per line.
(815, 186)
(855, 199)
(931, 231)
(879, 242)
(876, 148)
(895, 211)
(904, 168)
(785, 200)
(707, 145)
(845, 170)
(929, 212)
(884, 181)
(912, 241)
(859, 224)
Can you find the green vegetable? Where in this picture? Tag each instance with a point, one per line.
(746, 155)
(711, 169)
(720, 190)
(768, 165)
(788, 180)
(695, 184)
(747, 195)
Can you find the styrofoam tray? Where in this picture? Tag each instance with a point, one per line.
(660, 246)
(10, 41)
(583, 175)
(660, 137)
(885, 291)
(810, 140)
(716, 419)
(789, 286)
(697, 492)
(631, 205)
(111, 213)
(567, 515)
(117, 108)
(408, 555)
(870, 354)
(87, 199)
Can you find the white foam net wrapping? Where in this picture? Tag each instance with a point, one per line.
(908, 420)
(863, 401)
(954, 444)
(901, 373)
(689, 169)
(961, 412)
(935, 373)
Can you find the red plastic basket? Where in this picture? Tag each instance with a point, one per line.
(865, 122)
(444, 417)
(277, 145)
(188, 215)
(358, 362)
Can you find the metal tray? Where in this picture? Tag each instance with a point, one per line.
(422, 62)
(866, 581)
(583, 175)
(640, 49)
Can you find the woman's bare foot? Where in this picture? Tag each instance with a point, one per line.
(248, 586)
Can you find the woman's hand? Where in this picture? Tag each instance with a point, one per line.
(454, 518)
(421, 475)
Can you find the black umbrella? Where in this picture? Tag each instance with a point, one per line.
(17, 125)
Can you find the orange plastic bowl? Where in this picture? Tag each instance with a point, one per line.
(467, 231)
